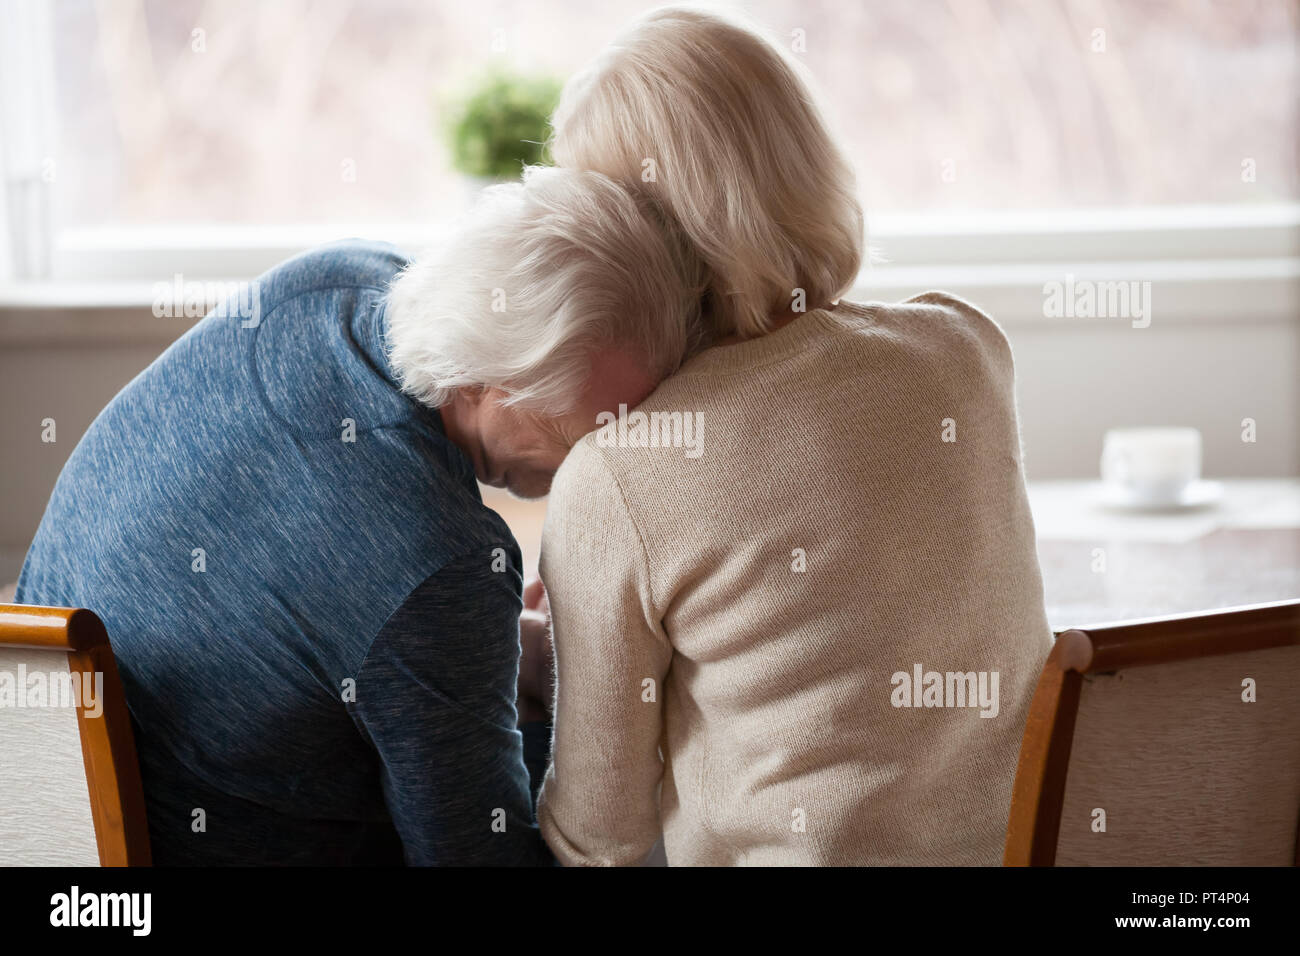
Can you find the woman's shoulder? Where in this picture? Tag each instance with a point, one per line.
(935, 310)
(935, 318)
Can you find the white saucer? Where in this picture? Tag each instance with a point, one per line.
(1197, 494)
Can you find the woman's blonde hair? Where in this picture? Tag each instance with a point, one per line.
(716, 123)
(539, 276)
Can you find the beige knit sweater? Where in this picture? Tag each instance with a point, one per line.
(741, 621)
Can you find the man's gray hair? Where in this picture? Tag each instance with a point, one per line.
(540, 275)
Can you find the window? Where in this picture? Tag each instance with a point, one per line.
(254, 112)
(238, 125)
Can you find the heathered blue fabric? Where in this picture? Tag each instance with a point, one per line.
(325, 561)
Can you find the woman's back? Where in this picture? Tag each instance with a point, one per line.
(822, 542)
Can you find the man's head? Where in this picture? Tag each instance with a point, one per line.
(559, 298)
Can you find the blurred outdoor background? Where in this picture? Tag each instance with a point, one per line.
(963, 104)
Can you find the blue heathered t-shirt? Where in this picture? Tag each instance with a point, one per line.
(314, 614)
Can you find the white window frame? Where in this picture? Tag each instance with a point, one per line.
(1229, 263)
(26, 139)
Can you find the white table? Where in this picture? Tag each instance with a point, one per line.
(1102, 565)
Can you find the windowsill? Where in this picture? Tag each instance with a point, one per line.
(1205, 264)
(880, 283)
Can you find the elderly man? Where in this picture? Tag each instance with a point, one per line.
(315, 616)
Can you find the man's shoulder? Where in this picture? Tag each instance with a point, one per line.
(317, 352)
(345, 264)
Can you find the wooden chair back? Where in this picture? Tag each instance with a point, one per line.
(70, 791)
(1164, 743)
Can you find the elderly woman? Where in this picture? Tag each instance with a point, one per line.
(315, 616)
(810, 636)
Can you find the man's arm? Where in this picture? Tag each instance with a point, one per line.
(599, 803)
(436, 698)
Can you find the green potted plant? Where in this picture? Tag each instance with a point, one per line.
(500, 124)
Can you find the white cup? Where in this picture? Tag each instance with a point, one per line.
(1151, 466)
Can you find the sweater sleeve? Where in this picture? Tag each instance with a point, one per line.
(599, 803)
(436, 700)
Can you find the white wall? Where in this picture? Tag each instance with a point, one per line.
(1076, 382)
(65, 366)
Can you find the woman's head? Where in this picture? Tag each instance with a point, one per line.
(558, 298)
(715, 123)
